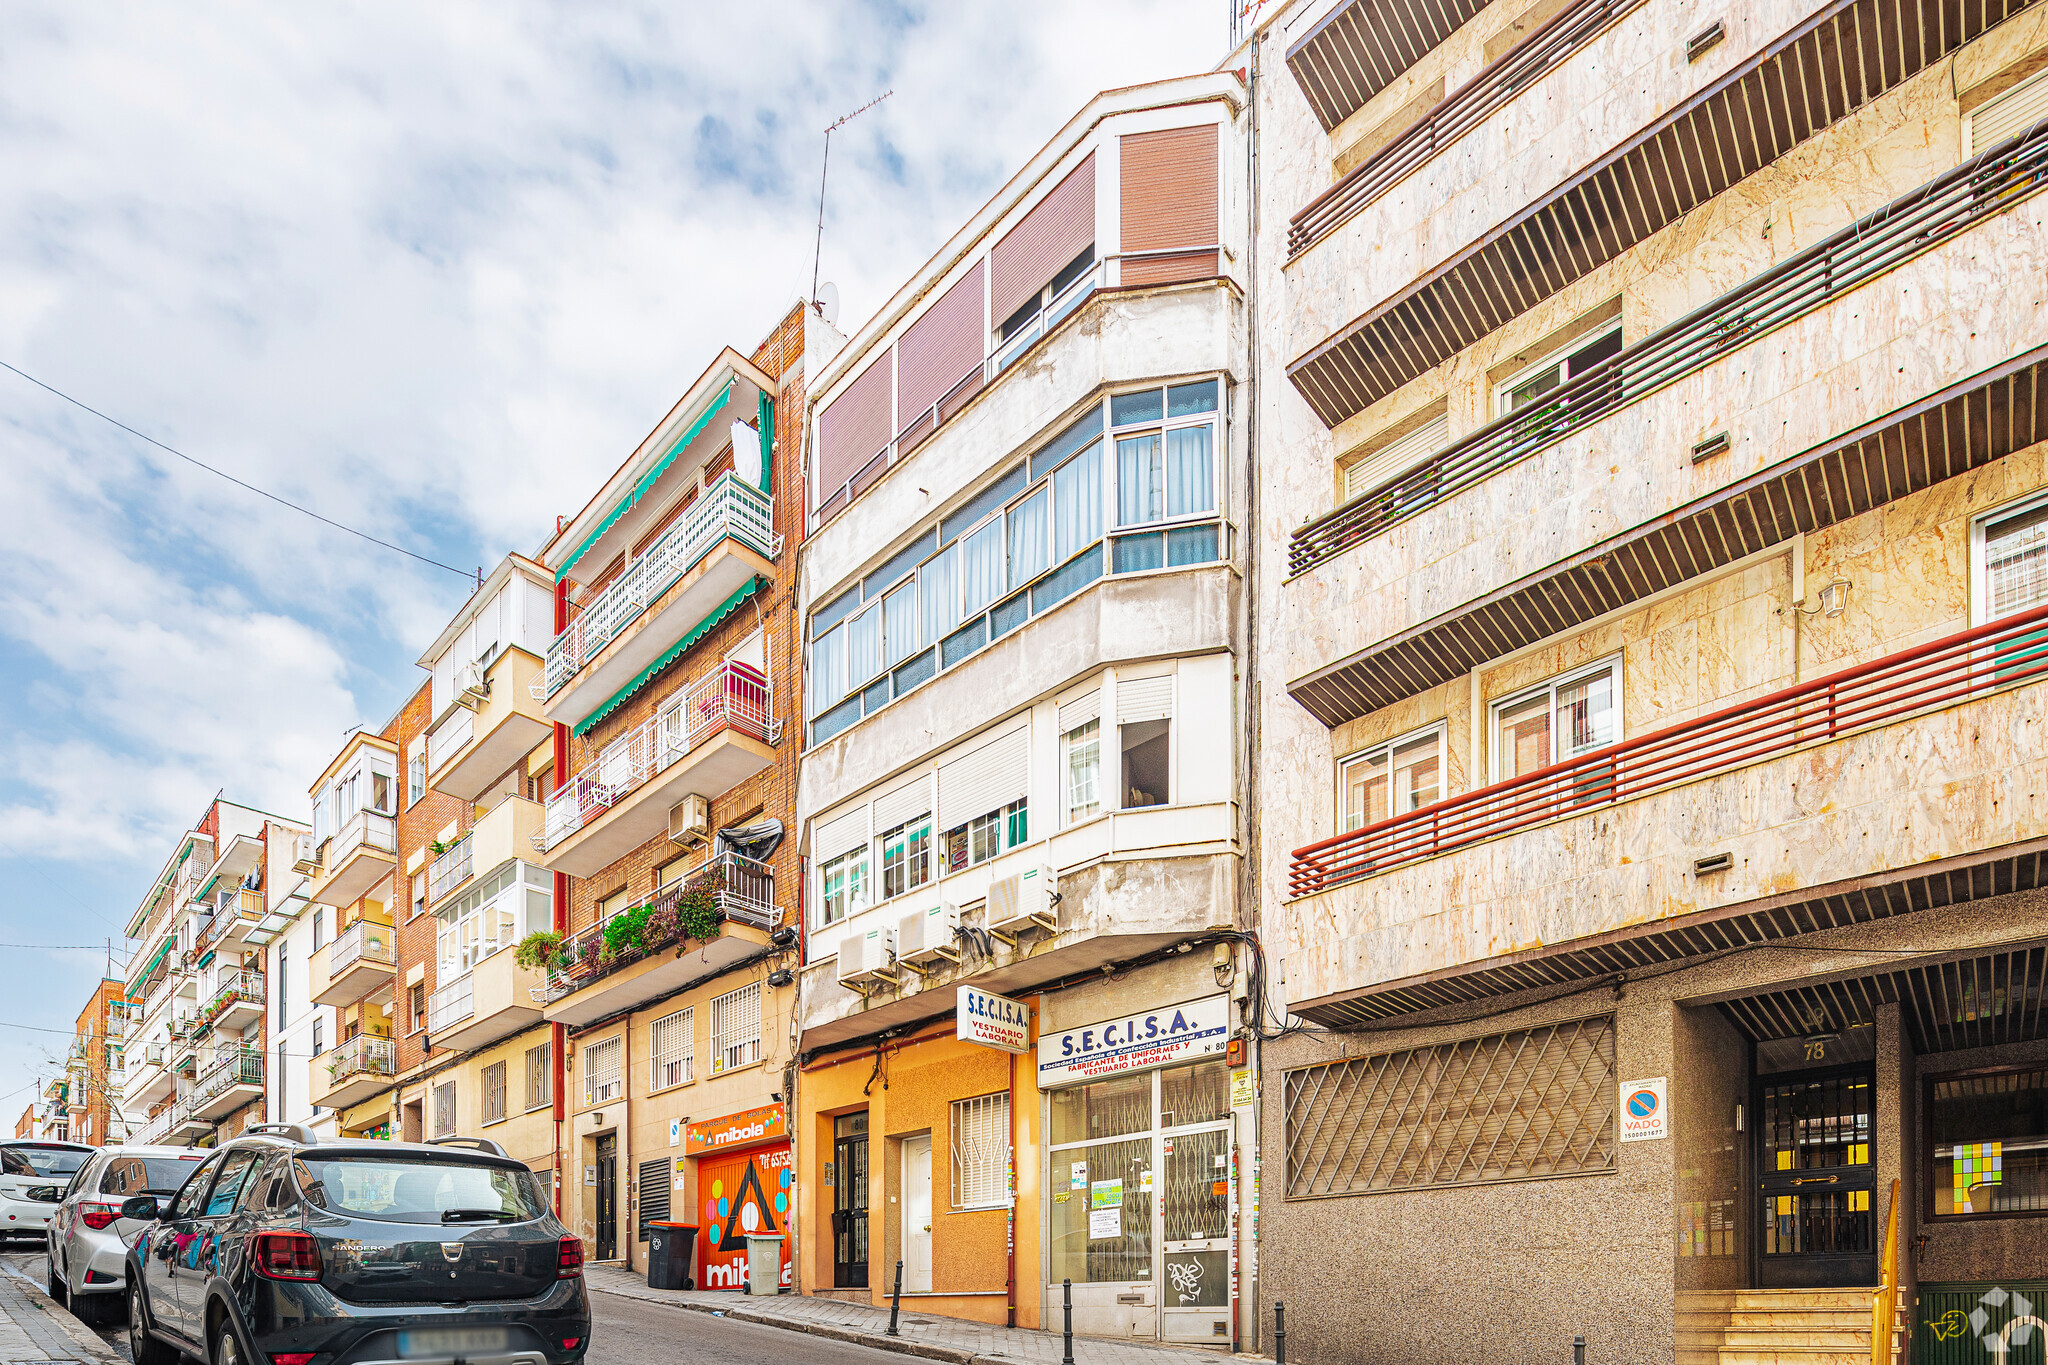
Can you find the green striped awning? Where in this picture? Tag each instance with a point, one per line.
(647, 480)
(696, 633)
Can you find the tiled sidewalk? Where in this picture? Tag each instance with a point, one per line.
(33, 1328)
(923, 1334)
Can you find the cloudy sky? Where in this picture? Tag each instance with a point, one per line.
(433, 271)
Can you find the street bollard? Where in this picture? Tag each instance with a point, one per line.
(1578, 1351)
(1279, 1333)
(896, 1300)
(1067, 1290)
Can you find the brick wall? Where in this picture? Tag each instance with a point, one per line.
(418, 825)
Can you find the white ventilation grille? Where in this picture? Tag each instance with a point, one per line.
(2017, 110)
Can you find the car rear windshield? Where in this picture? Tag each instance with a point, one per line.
(419, 1191)
(41, 1160)
(133, 1175)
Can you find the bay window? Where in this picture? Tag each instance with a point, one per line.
(495, 913)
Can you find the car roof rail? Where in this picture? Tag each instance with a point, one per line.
(297, 1132)
(481, 1144)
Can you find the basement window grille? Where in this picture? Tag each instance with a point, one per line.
(1527, 1105)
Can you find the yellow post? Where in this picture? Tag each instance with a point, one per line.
(1884, 1308)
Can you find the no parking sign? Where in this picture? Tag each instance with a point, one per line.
(1643, 1111)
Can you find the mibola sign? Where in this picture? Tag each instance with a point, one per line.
(1645, 1116)
(744, 1193)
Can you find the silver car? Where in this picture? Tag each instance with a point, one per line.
(32, 1179)
(88, 1238)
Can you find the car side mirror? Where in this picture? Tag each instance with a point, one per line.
(142, 1208)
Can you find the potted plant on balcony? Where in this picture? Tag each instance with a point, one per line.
(697, 914)
(541, 948)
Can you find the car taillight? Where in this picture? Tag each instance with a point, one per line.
(570, 1263)
(98, 1216)
(291, 1357)
(285, 1256)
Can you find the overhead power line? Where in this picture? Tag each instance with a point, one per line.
(92, 947)
(239, 483)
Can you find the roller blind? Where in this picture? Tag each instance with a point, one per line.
(1080, 711)
(1049, 236)
(988, 779)
(1168, 194)
(1363, 475)
(2016, 110)
(907, 802)
(839, 836)
(1140, 699)
(854, 427)
(940, 348)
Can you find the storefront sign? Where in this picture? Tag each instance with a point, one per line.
(1643, 1111)
(1177, 1033)
(991, 1020)
(768, 1122)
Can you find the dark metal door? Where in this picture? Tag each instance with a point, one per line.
(607, 1232)
(850, 1201)
(1815, 1225)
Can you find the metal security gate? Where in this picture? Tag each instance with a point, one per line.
(1979, 1322)
(607, 1201)
(850, 1201)
(1815, 1226)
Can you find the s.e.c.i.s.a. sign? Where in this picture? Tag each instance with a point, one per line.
(1137, 1042)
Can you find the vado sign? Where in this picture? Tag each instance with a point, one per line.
(1644, 1114)
(991, 1020)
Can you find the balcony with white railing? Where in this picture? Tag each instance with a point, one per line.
(494, 719)
(235, 1003)
(451, 867)
(353, 1071)
(725, 538)
(357, 962)
(705, 739)
(234, 914)
(492, 1000)
(358, 855)
(157, 1131)
(232, 1080)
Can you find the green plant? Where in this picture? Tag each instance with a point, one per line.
(697, 913)
(437, 846)
(627, 931)
(538, 949)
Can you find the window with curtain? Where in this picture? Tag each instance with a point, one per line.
(1558, 720)
(846, 886)
(1391, 779)
(1084, 771)
(938, 588)
(1030, 546)
(1077, 504)
(2015, 562)
(863, 649)
(981, 567)
(900, 632)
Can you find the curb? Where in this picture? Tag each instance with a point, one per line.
(84, 1336)
(738, 1313)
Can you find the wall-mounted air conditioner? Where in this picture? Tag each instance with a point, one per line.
(868, 957)
(1022, 901)
(925, 935)
(689, 820)
(472, 686)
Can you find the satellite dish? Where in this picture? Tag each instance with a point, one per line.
(828, 302)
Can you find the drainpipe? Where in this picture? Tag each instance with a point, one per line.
(1011, 1231)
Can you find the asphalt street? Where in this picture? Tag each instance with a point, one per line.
(629, 1332)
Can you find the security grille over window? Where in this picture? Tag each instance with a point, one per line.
(494, 1092)
(444, 1109)
(675, 1062)
(736, 1029)
(1513, 1106)
(981, 1152)
(540, 1075)
(601, 1071)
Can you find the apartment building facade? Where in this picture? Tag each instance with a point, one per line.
(195, 1034)
(672, 686)
(1024, 618)
(1652, 486)
(94, 1067)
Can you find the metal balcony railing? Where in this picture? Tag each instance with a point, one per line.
(1872, 246)
(1912, 682)
(731, 696)
(730, 507)
(1461, 111)
(158, 1128)
(451, 738)
(450, 869)
(240, 906)
(231, 1067)
(363, 941)
(451, 1003)
(741, 888)
(366, 1054)
(366, 829)
(244, 984)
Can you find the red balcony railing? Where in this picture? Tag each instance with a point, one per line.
(1910, 683)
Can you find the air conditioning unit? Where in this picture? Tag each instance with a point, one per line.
(1022, 901)
(868, 957)
(924, 936)
(306, 855)
(472, 687)
(154, 1053)
(689, 820)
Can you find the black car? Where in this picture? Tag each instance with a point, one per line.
(286, 1249)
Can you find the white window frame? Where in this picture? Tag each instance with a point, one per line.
(859, 857)
(1383, 751)
(1980, 568)
(601, 1071)
(1591, 336)
(732, 1047)
(672, 1045)
(931, 857)
(1497, 750)
(979, 1129)
(1066, 773)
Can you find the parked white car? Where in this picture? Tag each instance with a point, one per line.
(32, 1179)
(88, 1239)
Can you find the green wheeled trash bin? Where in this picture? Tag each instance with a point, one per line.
(669, 1248)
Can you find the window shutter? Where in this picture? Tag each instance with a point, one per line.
(1049, 236)
(1080, 711)
(839, 836)
(1169, 202)
(1139, 699)
(2014, 111)
(907, 802)
(1396, 457)
(854, 427)
(654, 1194)
(988, 779)
(941, 348)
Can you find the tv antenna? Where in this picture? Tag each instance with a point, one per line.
(818, 252)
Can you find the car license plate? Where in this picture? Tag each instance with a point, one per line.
(458, 1342)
